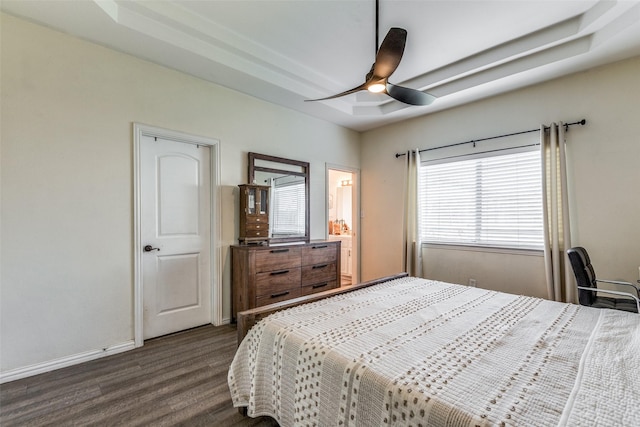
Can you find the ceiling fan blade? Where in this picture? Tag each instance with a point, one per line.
(390, 53)
(387, 60)
(409, 96)
(346, 92)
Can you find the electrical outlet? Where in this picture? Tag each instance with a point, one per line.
(472, 282)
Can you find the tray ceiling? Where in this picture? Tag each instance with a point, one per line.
(287, 51)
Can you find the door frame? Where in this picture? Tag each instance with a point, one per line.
(355, 211)
(139, 131)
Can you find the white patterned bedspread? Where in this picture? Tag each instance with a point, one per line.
(415, 352)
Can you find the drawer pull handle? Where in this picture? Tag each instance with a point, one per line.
(275, 273)
(320, 266)
(322, 285)
(277, 251)
(281, 294)
(319, 247)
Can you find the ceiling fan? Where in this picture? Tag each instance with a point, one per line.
(388, 58)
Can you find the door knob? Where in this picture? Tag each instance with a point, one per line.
(150, 248)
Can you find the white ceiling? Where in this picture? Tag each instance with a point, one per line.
(287, 51)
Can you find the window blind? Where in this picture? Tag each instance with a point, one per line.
(491, 201)
(289, 208)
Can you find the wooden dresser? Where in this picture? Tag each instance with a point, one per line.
(264, 275)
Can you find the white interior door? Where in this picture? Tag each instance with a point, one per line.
(175, 215)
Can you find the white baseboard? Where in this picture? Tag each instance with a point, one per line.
(39, 368)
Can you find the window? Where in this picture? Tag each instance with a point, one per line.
(490, 201)
(289, 208)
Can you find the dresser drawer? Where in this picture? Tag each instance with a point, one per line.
(278, 296)
(320, 253)
(255, 226)
(256, 233)
(312, 274)
(319, 287)
(277, 281)
(277, 259)
(257, 218)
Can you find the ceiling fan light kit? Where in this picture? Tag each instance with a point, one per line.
(376, 88)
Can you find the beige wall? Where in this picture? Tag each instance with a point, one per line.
(505, 271)
(67, 180)
(604, 176)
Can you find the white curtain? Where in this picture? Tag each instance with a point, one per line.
(560, 285)
(412, 252)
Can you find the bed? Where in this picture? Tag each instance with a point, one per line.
(416, 352)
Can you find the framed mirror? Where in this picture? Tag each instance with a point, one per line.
(289, 182)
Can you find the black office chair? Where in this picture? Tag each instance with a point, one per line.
(588, 291)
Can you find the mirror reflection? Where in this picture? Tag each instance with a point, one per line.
(289, 204)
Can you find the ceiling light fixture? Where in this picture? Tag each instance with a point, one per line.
(376, 88)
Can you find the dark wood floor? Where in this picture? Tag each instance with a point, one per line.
(179, 379)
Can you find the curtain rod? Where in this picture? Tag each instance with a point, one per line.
(473, 141)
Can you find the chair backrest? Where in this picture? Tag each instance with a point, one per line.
(584, 272)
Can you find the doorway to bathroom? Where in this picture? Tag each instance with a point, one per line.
(343, 221)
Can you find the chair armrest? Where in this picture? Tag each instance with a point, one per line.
(617, 282)
(606, 291)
